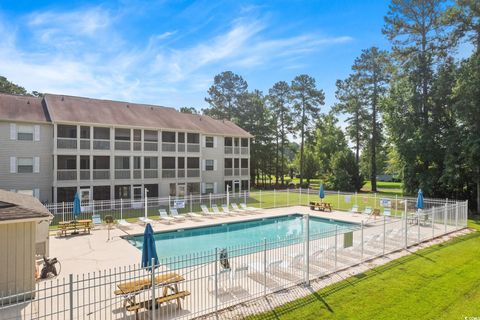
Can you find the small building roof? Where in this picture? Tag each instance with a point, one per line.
(22, 108)
(71, 109)
(16, 206)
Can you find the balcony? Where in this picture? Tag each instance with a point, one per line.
(228, 172)
(122, 174)
(85, 174)
(244, 171)
(244, 150)
(67, 143)
(236, 150)
(101, 174)
(85, 144)
(168, 173)
(228, 150)
(193, 173)
(137, 174)
(150, 173)
(150, 146)
(168, 147)
(100, 144)
(66, 174)
(236, 172)
(193, 147)
(181, 147)
(122, 145)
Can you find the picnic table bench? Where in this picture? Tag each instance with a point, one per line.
(322, 206)
(169, 281)
(74, 226)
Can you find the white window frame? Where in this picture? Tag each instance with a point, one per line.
(207, 166)
(25, 159)
(25, 129)
(209, 187)
(213, 142)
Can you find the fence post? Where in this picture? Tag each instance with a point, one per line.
(396, 204)
(63, 211)
(356, 198)
(361, 239)
(274, 199)
(210, 199)
(260, 198)
(264, 266)
(300, 196)
(153, 289)
(121, 209)
(338, 199)
(288, 194)
(406, 230)
(384, 233)
(445, 216)
(216, 282)
(375, 200)
(418, 224)
(306, 249)
(70, 294)
(169, 203)
(433, 222)
(456, 215)
(406, 208)
(191, 205)
(245, 196)
(336, 242)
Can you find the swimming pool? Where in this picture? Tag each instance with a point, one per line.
(289, 228)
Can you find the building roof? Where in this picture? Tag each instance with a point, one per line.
(72, 109)
(16, 206)
(22, 108)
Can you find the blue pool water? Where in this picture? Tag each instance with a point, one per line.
(278, 231)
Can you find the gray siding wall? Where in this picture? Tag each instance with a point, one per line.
(15, 148)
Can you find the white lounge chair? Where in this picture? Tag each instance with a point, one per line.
(367, 211)
(164, 216)
(124, 223)
(225, 209)
(145, 220)
(215, 209)
(175, 215)
(206, 211)
(355, 209)
(195, 215)
(236, 208)
(244, 207)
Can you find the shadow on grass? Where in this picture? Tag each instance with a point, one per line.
(323, 294)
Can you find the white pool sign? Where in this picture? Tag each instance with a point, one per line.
(179, 204)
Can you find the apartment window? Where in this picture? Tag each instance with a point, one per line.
(101, 133)
(209, 165)
(25, 165)
(228, 142)
(101, 162)
(193, 138)
(122, 163)
(209, 188)
(84, 162)
(168, 136)
(66, 162)
(150, 163)
(208, 142)
(244, 163)
(193, 188)
(152, 190)
(137, 135)
(193, 163)
(122, 134)
(122, 192)
(137, 162)
(236, 163)
(173, 189)
(66, 194)
(150, 136)
(244, 142)
(181, 137)
(168, 163)
(84, 132)
(228, 163)
(101, 193)
(64, 131)
(25, 133)
(236, 142)
(181, 162)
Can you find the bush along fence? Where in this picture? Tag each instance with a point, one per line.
(201, 283)
(133, 209)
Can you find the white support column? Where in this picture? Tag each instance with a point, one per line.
(306, 249)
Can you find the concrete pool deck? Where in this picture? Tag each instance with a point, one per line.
(92, 252)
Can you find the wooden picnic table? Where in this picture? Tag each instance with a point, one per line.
(322, 206)
(74, 226)
(169, 281)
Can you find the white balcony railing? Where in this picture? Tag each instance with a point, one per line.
(67, 174)
(193, 173)
(101, 144)
(137, 174)
(228, 171)
(193, 147)
(101, 174)
(85, 144)
(67, 143)
(122, 145)
(85, 174)
(228, 150)
(150, 146)
(150, 173)
(181, 173)
(168, 146)
(168, 173)
(122, 174)
(244, 171)
(244, 150)
(137, 146)
(181, 147)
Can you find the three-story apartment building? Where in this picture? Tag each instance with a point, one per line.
(55, 146)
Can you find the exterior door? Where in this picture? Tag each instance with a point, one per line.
(85, 198)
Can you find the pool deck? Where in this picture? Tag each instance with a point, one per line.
(93, 252)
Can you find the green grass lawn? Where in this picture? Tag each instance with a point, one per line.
(440, 282)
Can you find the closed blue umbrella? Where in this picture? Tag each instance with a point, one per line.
(321, 193)
(419, 203)
(149, 250)
(77, 209)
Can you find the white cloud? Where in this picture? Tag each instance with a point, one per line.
(82, 53)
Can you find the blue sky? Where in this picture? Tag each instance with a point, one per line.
(167, 52)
